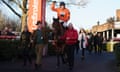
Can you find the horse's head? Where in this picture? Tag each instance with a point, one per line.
(57, 26)
(56, 21)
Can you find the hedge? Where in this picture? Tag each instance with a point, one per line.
(10, 49)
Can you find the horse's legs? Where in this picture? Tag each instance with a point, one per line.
(63, 54)
(60, 56)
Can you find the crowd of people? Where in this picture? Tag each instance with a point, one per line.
(7, 31)
(73, 40)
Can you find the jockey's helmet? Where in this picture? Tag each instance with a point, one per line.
(62, 4)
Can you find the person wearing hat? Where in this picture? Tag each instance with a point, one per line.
(39, 44)
(62, 12)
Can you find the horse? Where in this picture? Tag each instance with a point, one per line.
(59, 44)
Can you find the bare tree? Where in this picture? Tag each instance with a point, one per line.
(2, 20)
(22, 4)
(79, 3)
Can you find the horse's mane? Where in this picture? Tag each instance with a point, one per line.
(57, 26)
(58, 31)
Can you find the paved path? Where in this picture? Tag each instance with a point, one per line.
(92, 63)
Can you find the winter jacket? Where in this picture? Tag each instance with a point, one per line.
(63, 14)
(38, 37)
(70, 36)
(82, 40)
(25, 38)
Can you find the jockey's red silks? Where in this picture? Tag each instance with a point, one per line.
(36, 11)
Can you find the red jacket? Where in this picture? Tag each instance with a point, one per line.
(70, 36)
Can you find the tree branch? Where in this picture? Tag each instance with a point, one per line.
(11, 8)
(24, 6)
(17, 2)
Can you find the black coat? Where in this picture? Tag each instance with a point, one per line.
(25, 38)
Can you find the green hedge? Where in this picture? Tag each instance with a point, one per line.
(10, 49)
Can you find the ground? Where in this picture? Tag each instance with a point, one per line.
(104, 62)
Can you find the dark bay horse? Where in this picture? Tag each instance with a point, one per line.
(58, 43)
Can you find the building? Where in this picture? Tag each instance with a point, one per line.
(110, 29)
(118, 14)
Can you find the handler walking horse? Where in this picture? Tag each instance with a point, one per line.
(58, 31)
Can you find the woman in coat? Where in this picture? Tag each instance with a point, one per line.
(70, 38)
(82, 42)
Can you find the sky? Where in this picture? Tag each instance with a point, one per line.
(95, 10)
(82, 17)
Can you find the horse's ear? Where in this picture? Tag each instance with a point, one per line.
(58, 18)
(54, 19)
(62, 23)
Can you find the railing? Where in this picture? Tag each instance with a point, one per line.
(7, 37)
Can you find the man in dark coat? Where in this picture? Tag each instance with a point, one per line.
(25, 44)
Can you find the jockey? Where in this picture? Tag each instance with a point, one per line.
(62, 12)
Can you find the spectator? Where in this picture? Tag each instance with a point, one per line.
(95, 42)
(100, 42)
(3, 32)
(25, 44)
(39, 44)
(6, 29)
(70, 38)
(82, 42)
(90, 42)
(9, 32)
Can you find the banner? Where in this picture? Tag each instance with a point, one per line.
(35, 13)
